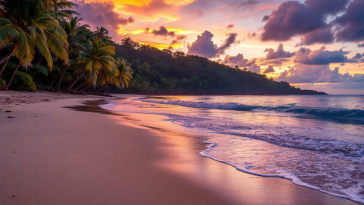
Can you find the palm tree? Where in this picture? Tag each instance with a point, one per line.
(94, 56)
(102, 33)
(106, 77)
(25, 24)
(75, 38)
(127, 42)
(124, 73)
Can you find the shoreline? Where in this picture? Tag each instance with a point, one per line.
(62, 156)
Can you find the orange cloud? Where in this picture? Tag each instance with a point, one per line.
(159, 45)
(148, 10)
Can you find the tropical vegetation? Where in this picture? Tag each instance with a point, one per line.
(45, 46)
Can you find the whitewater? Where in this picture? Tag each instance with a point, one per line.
(315, 141)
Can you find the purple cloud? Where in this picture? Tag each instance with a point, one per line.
(240, 61)
(317, 74)
(251, 34)
(293, 18)
(280, 53)
(102, 14)
(270, 69)
(230, 26)
(321, 56)
(205, 47)
(265, 18)
(323, 35)
(162, 31)
(361, 45)
(351, 24)
(327, 6)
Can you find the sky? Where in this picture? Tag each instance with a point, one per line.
(312, 44)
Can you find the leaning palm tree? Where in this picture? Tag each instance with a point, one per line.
(26, 24)
(94, 56)
(75, 38)
(73, 29)
(124, 73)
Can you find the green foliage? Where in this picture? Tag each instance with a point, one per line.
(43, 87)
(165, 72)
(23, 81)
(2, 83)
(38, 69)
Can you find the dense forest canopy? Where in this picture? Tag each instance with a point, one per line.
(167, 72)
(45, 46)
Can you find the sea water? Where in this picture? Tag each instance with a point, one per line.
(315, 141)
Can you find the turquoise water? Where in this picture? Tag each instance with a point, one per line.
(316, 141)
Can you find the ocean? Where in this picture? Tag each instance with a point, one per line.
(315, 141)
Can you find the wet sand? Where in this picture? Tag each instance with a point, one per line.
(51, 154)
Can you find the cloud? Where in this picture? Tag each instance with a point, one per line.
(230, 26)
(152, 11)
(323, 35)
(247, 4)
(293, 18)
(270, 69)
(280, 53)
(240, 61)
(181, 37)
(265, 18)
(251, 34)
(102, 14)
(176, 41)
(327, 6)
(321, 56)
(162, 31)
(228, 42)
(317, 74)
(361, 45)
(205, 47)
(290, 19)
(351, 24)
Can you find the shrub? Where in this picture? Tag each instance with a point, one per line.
(2, 83)
(23, 81)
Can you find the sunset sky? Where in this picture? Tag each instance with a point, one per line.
(313, 44)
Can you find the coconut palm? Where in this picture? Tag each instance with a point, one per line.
(94, 56)
(75, 38)
(26, 24)
(73, 29)
(123, 74)
(102, 33)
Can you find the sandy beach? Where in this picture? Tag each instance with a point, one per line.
(52, 154)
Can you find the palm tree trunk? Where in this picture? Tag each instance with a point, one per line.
(80, 85)
(108, 89)
(5, 60)
(54, 77)
(12, 77)
(60, 79)
(41, 58)
(4, 65)
(69, 88)
(87, 87)
(102, 87)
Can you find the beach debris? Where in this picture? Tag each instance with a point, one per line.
(8, 111)
(11, 117)
(7, 99)
(13, 196)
